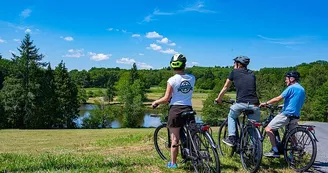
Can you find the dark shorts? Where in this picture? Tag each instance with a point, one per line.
(175, 119)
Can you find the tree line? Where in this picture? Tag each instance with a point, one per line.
(33, 95)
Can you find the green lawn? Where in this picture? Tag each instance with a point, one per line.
(105, 150)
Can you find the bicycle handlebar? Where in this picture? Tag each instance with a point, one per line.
(155, 106)
(231, 101)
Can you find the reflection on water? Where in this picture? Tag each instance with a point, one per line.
(148, 120)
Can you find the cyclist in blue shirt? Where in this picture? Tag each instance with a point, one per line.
(294, 97)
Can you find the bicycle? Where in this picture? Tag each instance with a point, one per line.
(248, 141)
(197, 144)
(294, 142)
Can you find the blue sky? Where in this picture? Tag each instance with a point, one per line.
(99, 33)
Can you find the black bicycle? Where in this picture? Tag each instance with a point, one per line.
(197, 144)
(248, 141)
(298, 145)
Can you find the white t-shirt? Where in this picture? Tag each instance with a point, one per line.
(183, 87)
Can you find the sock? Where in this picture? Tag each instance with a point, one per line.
(275, 149)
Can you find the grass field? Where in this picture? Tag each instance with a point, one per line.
(101, 150)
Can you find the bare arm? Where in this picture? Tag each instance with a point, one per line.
(166, 97)
(273, 101)
(224, 90)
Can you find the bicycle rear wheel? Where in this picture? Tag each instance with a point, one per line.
(162, 142)
(300, 149)
(224, 149)
(251, 149)
(207, 156)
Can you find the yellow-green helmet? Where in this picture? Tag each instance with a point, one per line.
(178, 61)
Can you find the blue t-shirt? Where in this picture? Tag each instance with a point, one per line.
(294, 96)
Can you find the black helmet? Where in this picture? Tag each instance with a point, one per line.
(293, 74)
(178, 61)
(242, 59)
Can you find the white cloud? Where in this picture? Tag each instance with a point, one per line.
(166, 41)
(16, 40)
(28, 30)
(125, 61)
(26, 13)
(168, 51)
(192, 64)
(163, 41)
(135, 35)
(144, 65)
(74, 53)
(141, 54)
(198, 7)
(157, 12)
(12, 52)
(98, 56)
(153, 34)
(154, 47)
(2, 41)
(131, 61)
(124, 31)
(110, 29)
(68, 38)
(148, 18)
(282, 41)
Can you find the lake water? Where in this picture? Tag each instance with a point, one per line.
(148, 119)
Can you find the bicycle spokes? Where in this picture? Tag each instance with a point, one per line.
(300, 150)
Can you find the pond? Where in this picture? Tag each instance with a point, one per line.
(149, 120)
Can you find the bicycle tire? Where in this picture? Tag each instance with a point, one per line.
(289, 158)
(205, 149)
(162, 150)
(222, 134)
(249, 149)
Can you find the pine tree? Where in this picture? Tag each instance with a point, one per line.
(27, 70)
(67, 94)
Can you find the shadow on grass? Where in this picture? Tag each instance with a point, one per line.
(272, 164)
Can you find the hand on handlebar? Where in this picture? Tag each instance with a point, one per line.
(154, 105)
(217, 101)
(263, 105)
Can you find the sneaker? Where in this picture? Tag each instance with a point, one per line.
(272, 154)
(230, 140)
(172, 166)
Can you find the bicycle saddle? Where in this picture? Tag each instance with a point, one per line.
(248, 112)
(188, 113)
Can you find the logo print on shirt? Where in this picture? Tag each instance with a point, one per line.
(185, 87)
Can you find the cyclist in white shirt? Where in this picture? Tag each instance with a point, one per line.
(179, 89)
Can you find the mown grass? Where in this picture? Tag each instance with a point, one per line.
(99, 150)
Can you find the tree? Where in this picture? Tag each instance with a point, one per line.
(67, 93)
(101, 116)
(212, 113)
(27, 70)
(131, 97)
(49, 102)
(13, 101)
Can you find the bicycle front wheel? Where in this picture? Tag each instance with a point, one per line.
(224, 149)
(207, 156)
(251, 149)
(162, 142)
(300, 149)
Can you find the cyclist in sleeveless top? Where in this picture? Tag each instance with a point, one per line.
(180, 89)
(294, 97)
(245, 83)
